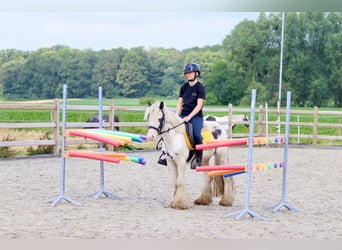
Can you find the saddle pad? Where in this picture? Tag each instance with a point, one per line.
(188, 143)
(207, 136)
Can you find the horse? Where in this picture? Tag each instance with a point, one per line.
(95, 118)
(165, 124)
(236, 119)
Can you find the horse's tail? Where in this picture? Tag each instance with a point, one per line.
(218, 185)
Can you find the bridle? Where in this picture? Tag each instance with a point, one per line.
(161, 120)
(160, 130)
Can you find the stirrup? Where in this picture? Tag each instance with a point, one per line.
(162, 161)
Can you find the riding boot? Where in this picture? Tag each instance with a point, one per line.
(197, 161)
(199, 157)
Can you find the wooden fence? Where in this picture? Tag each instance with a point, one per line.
(262, 126)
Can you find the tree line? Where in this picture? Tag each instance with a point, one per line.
(249, 57)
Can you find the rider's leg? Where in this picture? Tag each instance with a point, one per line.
(197, 125)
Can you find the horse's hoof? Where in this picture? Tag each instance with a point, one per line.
(179, 206)
(226, 203)
(183, 207)
(202, 202)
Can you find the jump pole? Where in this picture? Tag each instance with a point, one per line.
(62, 192)
(102, 188)
(246, 209)
(285, 165)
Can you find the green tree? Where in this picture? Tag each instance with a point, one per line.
(105, 72)
(166, 68)
(10, 77)
(76, 71)
(333, 50)
(133, 75)
(220, 83)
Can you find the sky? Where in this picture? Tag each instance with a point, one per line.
(34, 29)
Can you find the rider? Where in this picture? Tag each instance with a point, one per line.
(190, 103)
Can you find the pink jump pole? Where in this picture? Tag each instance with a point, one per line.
(221, 167)
(223, 143)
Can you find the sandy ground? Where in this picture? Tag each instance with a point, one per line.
(313, 186)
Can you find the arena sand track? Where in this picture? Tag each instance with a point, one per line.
(313, 186)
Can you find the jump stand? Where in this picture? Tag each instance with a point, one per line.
(233, 170)
(246, 209)
(283, 202)
(102, 188)
(114, 138)
(62, 187)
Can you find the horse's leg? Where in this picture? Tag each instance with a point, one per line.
(228, 189)
(206, 196)
(179, 198)
(174, 170)
(228, 196)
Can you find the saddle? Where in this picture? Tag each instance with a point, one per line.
(189, 136)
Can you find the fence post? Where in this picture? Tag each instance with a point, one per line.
(111, 120)
(315, 126)
(57, 127)
(230, 113)
(111, 115)
(260, 119)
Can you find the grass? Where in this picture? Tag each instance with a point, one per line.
(137, 116)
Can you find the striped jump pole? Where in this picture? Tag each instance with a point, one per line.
(239, 142)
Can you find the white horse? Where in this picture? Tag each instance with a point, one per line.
(165, 124)
(223, 120)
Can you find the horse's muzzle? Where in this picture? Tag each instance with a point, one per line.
(152, 134)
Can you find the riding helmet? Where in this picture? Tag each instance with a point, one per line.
(191, 67)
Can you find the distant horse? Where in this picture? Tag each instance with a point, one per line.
(95, 118)
(165, 124)
(235, 120)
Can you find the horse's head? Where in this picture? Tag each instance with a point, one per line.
(155, 114)
(246, 119)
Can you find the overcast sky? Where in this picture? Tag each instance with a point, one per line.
(106, 30)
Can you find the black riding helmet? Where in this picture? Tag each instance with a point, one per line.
(191, 67)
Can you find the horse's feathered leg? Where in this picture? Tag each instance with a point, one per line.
(174, 170)
(229, 192)
(180, 199)
(206, 196)
(228, 189)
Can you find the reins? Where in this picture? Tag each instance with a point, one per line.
(162, 132)
(169, 129)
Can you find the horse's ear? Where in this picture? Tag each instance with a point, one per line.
(149, 103)
(161, 105)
